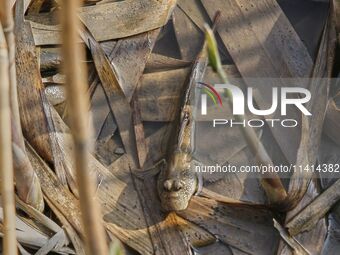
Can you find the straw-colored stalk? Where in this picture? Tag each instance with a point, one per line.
(6, 166)
(27, 183)
(78, 102)
(7, 22)
(271, 183)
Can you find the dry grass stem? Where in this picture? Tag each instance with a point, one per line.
(27, 184)
(78, 108)
(6, 166)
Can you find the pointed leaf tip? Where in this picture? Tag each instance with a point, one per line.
(214, 57)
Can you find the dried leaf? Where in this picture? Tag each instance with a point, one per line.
(229, 223)
(143, 16)
(35, 118)
(298, 249)
(258, 45)
(119, 104)
(158, 62)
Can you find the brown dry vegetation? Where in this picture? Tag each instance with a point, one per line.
(90, 98)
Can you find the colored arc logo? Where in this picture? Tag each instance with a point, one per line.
(211, 91)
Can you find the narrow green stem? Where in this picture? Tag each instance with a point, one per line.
(271, 183)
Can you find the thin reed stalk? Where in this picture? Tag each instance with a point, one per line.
(6, 165)
(271, 183)
(78, 101)
(27, 183)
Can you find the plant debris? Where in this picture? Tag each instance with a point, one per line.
(103, 127)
